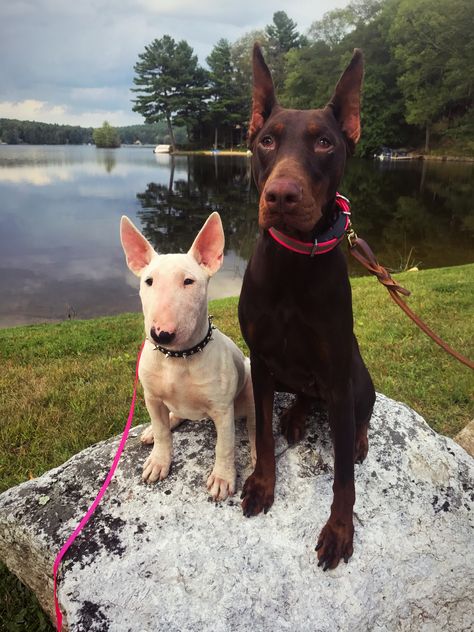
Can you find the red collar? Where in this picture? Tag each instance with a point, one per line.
(325, 242)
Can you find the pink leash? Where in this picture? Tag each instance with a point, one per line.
(92, 508)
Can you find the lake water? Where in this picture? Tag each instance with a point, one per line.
(60, 207)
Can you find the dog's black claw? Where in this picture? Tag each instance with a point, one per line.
(318, 546)
(346, 559)
(326, 566)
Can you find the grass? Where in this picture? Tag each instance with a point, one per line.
(64, 387)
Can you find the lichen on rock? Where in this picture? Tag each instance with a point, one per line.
(164, 556)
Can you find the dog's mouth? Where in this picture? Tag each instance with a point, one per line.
(291, 205)
(298, 222)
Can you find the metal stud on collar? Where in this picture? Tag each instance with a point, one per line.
(186, 353)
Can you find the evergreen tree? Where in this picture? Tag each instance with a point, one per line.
(283, 33)
(282, 36)
(193, 113)
(226, 106)
(168, 81)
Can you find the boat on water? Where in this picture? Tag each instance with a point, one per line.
(386, 153)
(162, 149)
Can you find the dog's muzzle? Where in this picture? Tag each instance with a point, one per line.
(282, 195)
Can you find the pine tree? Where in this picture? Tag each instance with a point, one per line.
(169, 83)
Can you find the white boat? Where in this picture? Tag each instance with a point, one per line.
(162, 149)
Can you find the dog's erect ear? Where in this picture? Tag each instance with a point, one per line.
(208, 247)
(138, 251)
(263, 98)
(345, 102)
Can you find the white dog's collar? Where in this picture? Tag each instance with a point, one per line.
(185, 353)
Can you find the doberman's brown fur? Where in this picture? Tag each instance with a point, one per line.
(296, 311)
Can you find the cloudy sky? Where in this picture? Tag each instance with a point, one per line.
(71, 61)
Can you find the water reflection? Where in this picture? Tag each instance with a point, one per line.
(411, 213)
(107, 158)
(60, 207)
(172, 214)
(417, 210)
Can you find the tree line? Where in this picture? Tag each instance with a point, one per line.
(14, 132)
(418, 86)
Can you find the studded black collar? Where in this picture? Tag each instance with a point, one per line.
(185, 353)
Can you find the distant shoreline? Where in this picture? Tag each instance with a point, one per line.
(435, 157)
(238, 152)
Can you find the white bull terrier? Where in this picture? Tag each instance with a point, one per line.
(188, 369)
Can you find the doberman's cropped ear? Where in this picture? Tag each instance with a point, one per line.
(345, 102)
(263, 97)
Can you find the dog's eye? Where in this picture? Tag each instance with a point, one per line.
(324, 142)
(188, 281)
(149, 281)
(267, 142)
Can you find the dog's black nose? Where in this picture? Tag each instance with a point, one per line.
(163, 338)
(283, 195)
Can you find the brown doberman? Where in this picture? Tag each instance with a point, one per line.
(295, 309)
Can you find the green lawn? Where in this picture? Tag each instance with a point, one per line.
(66, 386)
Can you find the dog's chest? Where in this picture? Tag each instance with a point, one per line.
(174, 382)
(294, 354)
(297, 337)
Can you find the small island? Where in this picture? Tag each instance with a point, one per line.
(106, 136)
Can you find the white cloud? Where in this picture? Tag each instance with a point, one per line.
(77, 65)
(34, 110)
(31, 108)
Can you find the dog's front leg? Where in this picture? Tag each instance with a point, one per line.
(259, 488)
(335, 540)
(158, 463)
(147, 435)
(221, 482)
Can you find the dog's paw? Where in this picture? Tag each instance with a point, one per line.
(334, 544)
(156, 467)
(147, 435)
(257, 495)
(220, 487)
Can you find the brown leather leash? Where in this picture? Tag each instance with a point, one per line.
(361, 251)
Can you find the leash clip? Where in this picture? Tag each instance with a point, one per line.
(314, 248)
(351, 235)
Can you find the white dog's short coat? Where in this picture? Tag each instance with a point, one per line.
(214, 382)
